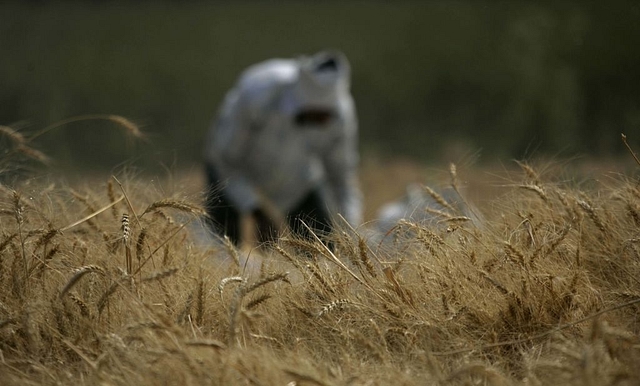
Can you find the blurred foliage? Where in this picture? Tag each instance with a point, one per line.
(432, 80)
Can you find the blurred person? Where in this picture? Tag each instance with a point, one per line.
(283, 149)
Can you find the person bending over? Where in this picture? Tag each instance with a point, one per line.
(283, 149)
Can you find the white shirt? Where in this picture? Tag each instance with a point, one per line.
(261, 154)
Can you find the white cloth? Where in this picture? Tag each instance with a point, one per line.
(262, 155)
(414, 205)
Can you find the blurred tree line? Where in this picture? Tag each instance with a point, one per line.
(432, 80)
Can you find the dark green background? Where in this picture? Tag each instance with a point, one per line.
(433, 80)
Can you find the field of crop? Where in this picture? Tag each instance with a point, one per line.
(109, 283)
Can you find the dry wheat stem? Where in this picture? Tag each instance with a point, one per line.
(336, 304)
(126, 197)
(45, 238)
(283, 276)
(164, 242)
(453, 173)
(140, 242)
(340, 264)
(206, 343)
(14, 135)
(7, 240)
(364, 251)
(161, 275)
(315, 272)
(234, 314)
(126, 232)
(537, 336)
(438, 212)
(333, 257)
(438, 198)
(128, 125)
(227, 280)
(102, 302)
(20, 146)
(92, 215)
(532, 174)
(32, 153)
(41, 262)
(588, 208)
(232, 250)
(624, 139)
(78, 274)
(200, 301)
(257, 301)
(84, 310)
(176, 204)
(284, 253)
(112, 198)
(538, 190)
(18, 209)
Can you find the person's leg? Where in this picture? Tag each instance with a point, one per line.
(267, 231)
(312, 210)
(224, 218)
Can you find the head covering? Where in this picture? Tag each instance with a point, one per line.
(323, 80)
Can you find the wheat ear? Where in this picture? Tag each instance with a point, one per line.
(78, 274)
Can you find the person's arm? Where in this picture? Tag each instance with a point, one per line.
(230, 142)
(341, 165)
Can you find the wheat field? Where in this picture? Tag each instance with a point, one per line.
(107, 283)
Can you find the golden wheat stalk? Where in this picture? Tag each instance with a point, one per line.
(402, 293)
(45, 238)
(438, 198)
(206, 343)
(234, 314)
(162, 245)
(453, 174)
(175, 204)
(18, 208)
(92, 215)
(233, 279)
(232, 250)
(78, 274)
(84, 310)
(104, 299)
(363, 250)
(633, 154)
(126, 233)
(43, 262)
(257, 301)
(334, 305)
(12, 134)
(200, 301)
(283, 276)
(588, 208)
(7, 240)
(20, 146)
(438, 212)
(123, 122)
(530, 172)
(294, 261)
(328, 253)
(126, 197)
(538, 190)
(140, 242)
(112, 198)
(33, 153)
(161, 275)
